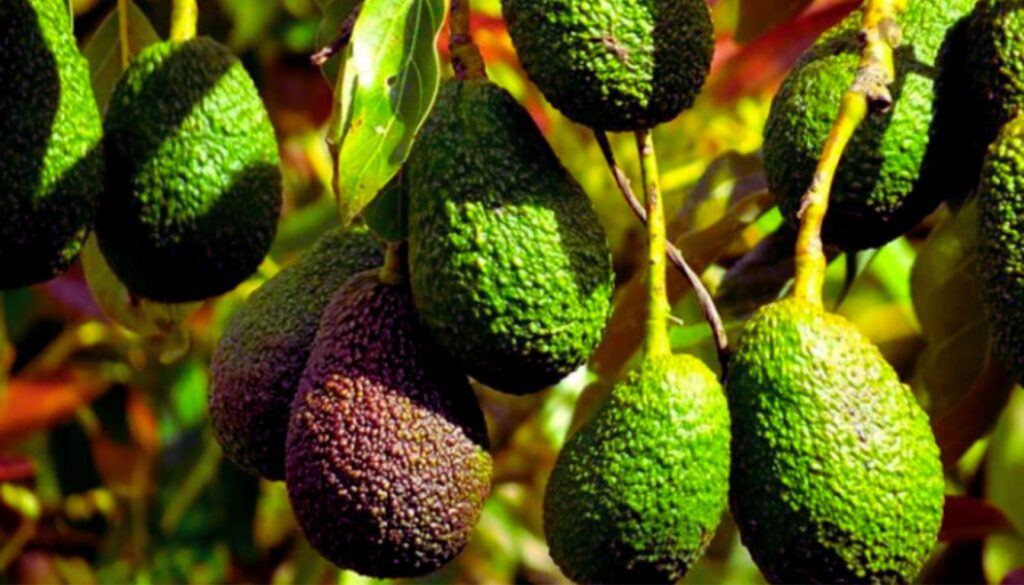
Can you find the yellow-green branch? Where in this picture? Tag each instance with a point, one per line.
(395, 261)
(869, 92)
(122, 33)
(658, 309)
(467, 61)
(184, 19)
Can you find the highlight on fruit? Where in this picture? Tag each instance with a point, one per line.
(512, 291)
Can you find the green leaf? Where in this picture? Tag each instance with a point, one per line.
(388, 213)
(335, 13)
(389, 86)
(760, 16)
(104, 53)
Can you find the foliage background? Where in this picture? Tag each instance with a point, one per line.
(108, 468)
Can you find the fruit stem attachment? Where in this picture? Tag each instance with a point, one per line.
(122, 33)
(868, 93)
(394, 270)
(658, 310)
(467, 60)
(707, 303)
(184, 19)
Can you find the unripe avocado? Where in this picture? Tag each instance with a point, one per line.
(614, 65)
(387, 461)
(637, 493)
(193, 183)
(997, 61)
(836, 476)
(1001, 244)
(896, 168)
(259, 359)
(509, 265)
(51, 163)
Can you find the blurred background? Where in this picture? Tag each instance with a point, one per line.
(108, 468)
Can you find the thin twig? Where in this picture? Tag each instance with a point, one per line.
(707, 303)
(344, 36)
(869, 92)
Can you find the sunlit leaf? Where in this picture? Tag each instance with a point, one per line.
(104, 49)
(390, 83)
(757, 17)
(965, 518)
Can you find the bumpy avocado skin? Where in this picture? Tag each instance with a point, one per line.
(510, 266)
(836, 476)
(614, 65)
(637, 493)
(1001, 243)
(259, 359)
(997, 59)
(387, 461)
(51, 163)
(897, 167)
(193, 182)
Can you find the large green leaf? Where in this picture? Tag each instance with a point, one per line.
(388, 86)
(105, 54)
(757, 17)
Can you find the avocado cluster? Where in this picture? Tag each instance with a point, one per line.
(637, 493)
(900, 164)
(193, 188)
(260, 357)
(509, 265)
(836, 476)
(51, 161)
(614, 65)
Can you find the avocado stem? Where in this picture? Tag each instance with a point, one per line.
(675, 255)
(868, 93)
(394, 271)
(467, 60)
(184, 19)
(122, 34)
(658, 310)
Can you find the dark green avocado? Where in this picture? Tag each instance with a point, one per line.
(193, 182)
(51, 162)
(259, 359)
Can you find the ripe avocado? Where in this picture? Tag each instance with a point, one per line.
(193, 182)
(51, 162)
(614, 64)
(509, 265)
(637, 493)
(387, 461)
(896, 169)
(259, 359)
(836, 476)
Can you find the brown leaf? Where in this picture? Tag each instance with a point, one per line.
(760, 16)
(975, 414)
(32, 405)
(967, 519)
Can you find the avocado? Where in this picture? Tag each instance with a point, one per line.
(509, 265)
(194, 181)
(259, 359)
(635, 495)
(614, 65)
(997, 62)
(51, 162)
(897, 167)
(1000, 239)
(835, 476)
(387, 462)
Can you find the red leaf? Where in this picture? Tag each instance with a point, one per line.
(17, 469)
(31, 405)
(1014, 577)
(967, 519)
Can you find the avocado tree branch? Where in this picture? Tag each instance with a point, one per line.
(184, 19)
(467, 61)
(122, 33)
(868, 93)
(704, 297)
(341, 41)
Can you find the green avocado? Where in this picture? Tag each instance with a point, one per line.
(259, 359)
(51, 162)
(387, 461)
(614, 65)
(194, 181)
(509, 265)
(636, 494)
(1001, 243)
(836, 476)
(901, 163)
(997, 62)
